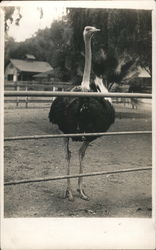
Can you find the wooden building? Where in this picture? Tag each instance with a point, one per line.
(23, 70)
(142, 83)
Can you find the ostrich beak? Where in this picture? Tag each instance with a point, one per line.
(95, 30)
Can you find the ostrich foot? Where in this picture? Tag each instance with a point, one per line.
(82, 194)
(69, 195)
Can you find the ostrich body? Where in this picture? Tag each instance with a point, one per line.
(82, 114)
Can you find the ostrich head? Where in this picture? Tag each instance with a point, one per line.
(89, 31)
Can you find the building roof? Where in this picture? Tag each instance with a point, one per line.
(31, 66)
(30, 57)
(44, 74)
(143, 73)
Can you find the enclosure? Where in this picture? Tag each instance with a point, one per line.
(111, 195)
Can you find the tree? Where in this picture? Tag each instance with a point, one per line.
(9, 47)
(124, 33)
(124, 41)
(9, 19)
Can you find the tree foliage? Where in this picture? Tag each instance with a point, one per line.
(124, 33)
(9, 11)
(125, 37)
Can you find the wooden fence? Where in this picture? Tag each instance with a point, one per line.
(51, 86)
(34, 85)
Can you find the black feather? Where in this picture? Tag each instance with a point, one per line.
(82, 115)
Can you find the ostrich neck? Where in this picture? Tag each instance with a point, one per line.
(87, 69)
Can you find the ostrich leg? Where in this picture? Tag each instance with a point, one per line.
(82, 151)
(68, 192)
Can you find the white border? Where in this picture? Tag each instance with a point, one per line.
(147, 4)
(73, 233)
(86, 233)
(154, 114)
(1, 110)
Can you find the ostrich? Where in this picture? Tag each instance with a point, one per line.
(82, 115)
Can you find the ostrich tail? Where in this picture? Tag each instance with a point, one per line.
(101, 87)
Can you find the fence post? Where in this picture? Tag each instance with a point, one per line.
(26, 99)
(54, 89)
(17, 98)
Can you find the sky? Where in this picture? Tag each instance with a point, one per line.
(53, 10)
(31, 22)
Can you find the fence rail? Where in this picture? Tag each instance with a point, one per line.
(37, 85)
(52, 178)
(29, 101)
(74, 94)
(35, 137)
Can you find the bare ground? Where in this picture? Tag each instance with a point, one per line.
(116, 195)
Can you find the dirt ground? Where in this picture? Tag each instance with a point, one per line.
(115, 195)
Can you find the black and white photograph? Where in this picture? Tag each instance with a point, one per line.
(77, 122)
